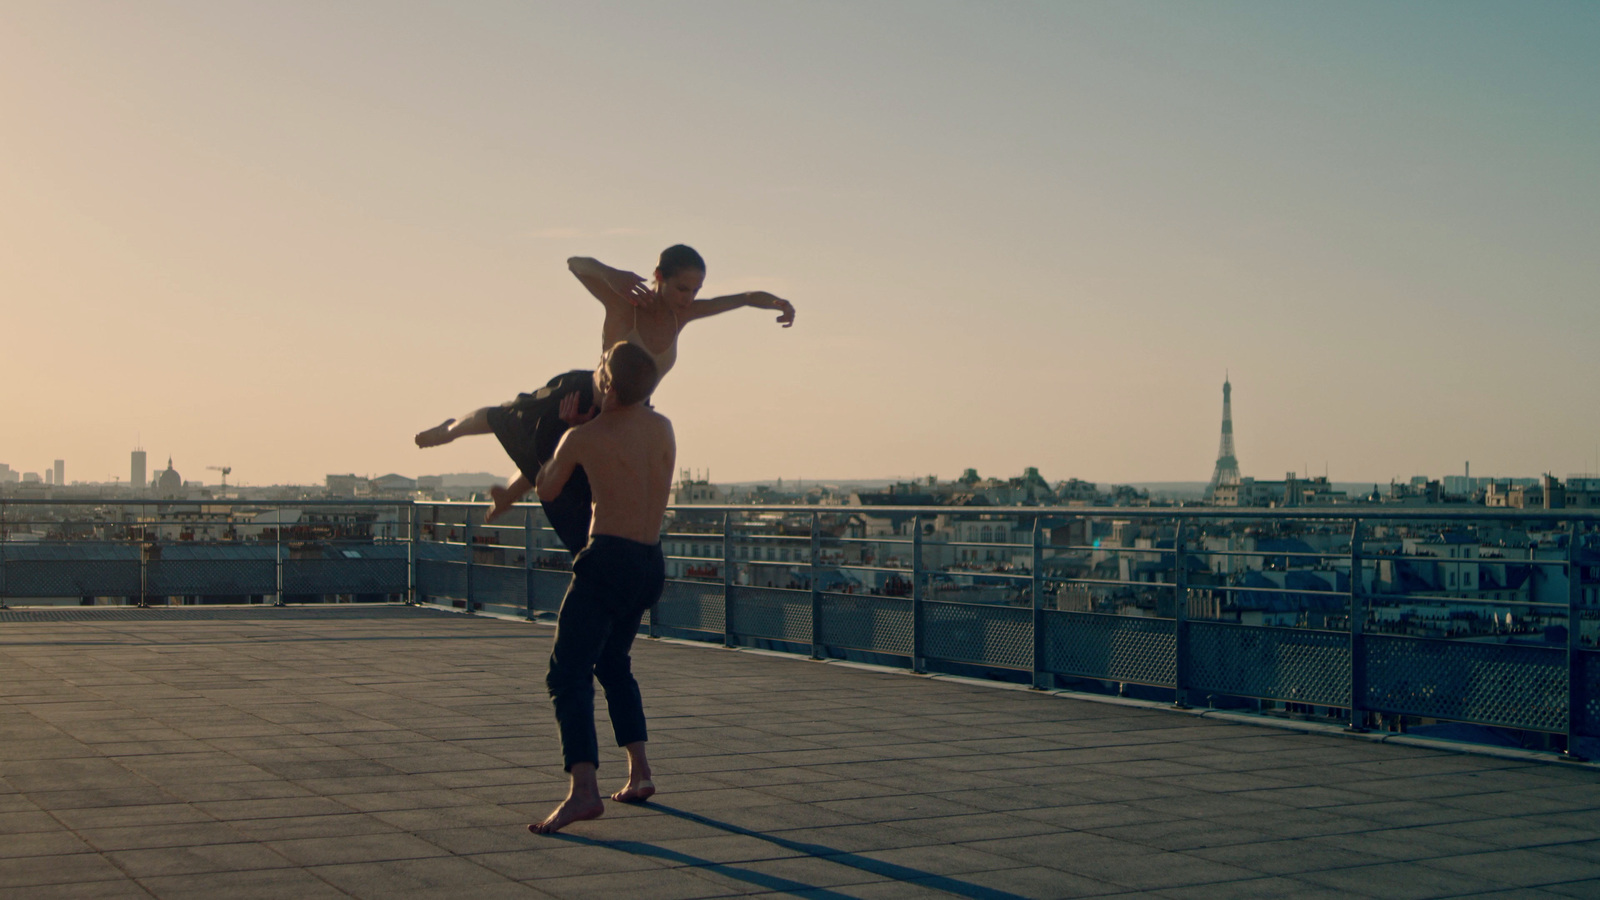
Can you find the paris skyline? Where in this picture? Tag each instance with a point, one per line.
(284, 237)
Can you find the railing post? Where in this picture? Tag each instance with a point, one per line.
(1575, 698)
(1040, 642)
(727, 580)
(467, 535)
(277, 558)
(918, 658)
(528, 543)
(3, 533)
(1180, 617)
(1358, 623)
(411, 554)
(816, 585)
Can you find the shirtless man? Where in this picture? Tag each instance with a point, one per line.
(628, 452)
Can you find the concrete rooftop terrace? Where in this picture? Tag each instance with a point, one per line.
(398, 753)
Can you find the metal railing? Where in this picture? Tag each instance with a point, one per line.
(147, 552)
(1362, 614)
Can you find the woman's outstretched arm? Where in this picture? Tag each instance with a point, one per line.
(699, 309)
(613, 287)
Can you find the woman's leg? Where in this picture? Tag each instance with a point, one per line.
(475, 422)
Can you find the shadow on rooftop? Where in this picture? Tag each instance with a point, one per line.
(775, 883)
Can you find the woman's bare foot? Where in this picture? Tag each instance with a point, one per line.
(637, 790)
(572, 809)
(438, 434)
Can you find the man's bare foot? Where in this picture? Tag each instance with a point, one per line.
(438, 434)
(503, 499)
(572, 809)
(637, 790)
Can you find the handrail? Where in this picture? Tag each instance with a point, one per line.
(1352, 659)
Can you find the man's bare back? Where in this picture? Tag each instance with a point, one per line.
(628, 454)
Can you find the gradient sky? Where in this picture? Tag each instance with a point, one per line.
(285, 236)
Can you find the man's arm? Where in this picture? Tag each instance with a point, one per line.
(758, 299)
(553, 475)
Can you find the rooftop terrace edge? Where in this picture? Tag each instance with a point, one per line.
(1330, 513)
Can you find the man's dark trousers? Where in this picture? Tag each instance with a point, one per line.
(614, 580)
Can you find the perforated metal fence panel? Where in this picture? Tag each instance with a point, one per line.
(81, 578)
(976, 633)
(690, 605)
(549, 586)
(1297, 665)
(501, 586)
(878, 624)
(772, 613)
(344, 576)
(1491, 684)
(437, 578)
(216, 577)
(1114, 648)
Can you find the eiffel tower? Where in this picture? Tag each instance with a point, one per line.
(1227, 471)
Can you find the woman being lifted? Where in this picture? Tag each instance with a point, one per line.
(650, 315)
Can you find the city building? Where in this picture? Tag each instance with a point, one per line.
(690, 490)
(1580, 492)
(1291, 491)
(344, 485)
(168, 484)
(392, 484)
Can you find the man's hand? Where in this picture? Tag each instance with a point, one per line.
(569, 410)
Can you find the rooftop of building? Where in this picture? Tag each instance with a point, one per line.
(398, 752)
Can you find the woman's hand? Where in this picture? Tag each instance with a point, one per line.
(569, 410)
(764, 300)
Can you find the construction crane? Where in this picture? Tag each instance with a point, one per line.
(225, 470)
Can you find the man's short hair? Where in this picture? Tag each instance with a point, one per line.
(633, 372)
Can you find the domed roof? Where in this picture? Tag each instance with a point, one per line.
(169, 481)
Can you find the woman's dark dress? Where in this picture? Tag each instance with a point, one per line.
(529, 428)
